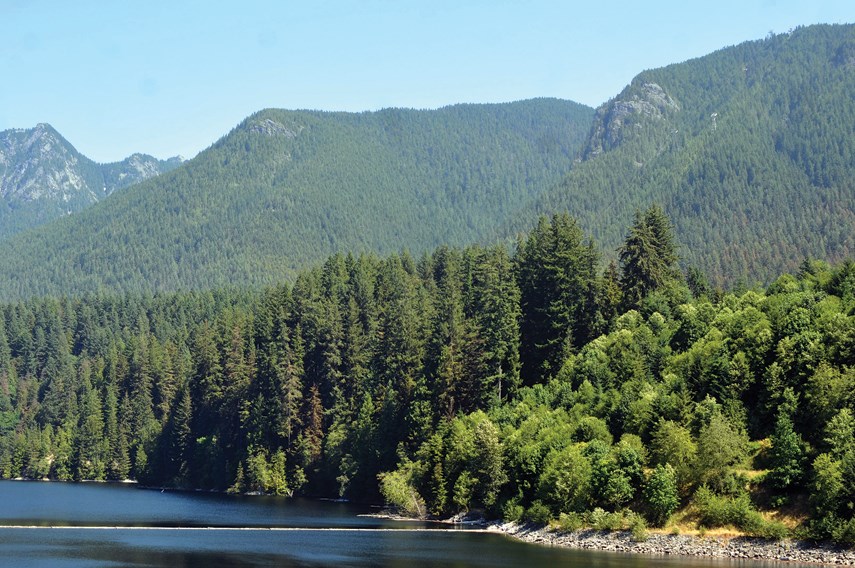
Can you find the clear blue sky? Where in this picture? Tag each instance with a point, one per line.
(170, 78)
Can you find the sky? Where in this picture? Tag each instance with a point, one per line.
(171, 78)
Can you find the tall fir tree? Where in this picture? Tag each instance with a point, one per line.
(556, 269)
(648, 256)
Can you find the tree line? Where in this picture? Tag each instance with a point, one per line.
(531, 383)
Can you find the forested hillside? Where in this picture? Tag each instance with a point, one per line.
(526, 385)
(286, 188)
(751, 150)
(43, 177)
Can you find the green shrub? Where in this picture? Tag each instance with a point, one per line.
(844, 532)
(512, 511)
(591, 428)
(831, 526)
(718, 511)
(596, 518)
(638, 528)
(565, 480)
(750, 522)
(538, 513)
(604, 521)
(713, 510)
(570, 522)
(773, 530)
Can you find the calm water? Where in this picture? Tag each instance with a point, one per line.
(64, 525)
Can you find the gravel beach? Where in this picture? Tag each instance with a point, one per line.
(722, 547)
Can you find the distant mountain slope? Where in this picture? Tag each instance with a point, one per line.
(751, 150)
(43, 177)
(286, 188)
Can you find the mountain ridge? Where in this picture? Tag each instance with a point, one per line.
(749, 149)
(286, 188)
(43, 177)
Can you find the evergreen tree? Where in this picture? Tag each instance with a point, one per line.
(181, 437)
(449, 335)
(289, 375)
(91, 447)
(557, 280)
(120, 464)
(648, 256)
(313, 432)
(788, 449)
(8, 384)
(611, 294)
(495, 309)
(787, 456)
(207, 380)
(54, 366)
(238, 369)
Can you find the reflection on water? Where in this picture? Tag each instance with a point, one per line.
(100, 504)
(354, 541)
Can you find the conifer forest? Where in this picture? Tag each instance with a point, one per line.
(539, 381)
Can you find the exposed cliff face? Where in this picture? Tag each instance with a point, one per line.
(134, 169)
(42, 176)
(39, 164)
(625, 115)
(271, 127)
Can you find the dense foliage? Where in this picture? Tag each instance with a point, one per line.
(750, 150)
(525, 384)
(285, 189)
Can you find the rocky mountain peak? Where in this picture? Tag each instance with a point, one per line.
(616, 119)
(42, 176)
(270, 127)
(37, 164)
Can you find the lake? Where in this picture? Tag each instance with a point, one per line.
(93, 525)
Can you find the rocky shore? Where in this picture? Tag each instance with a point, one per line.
(668, 544)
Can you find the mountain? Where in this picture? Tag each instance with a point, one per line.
(43, 177)
(287, 188)
(750, 150)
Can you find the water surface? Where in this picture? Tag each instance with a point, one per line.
(65, 525)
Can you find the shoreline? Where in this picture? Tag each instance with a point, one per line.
(49, 480)
(737, 548)
(656, 544)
